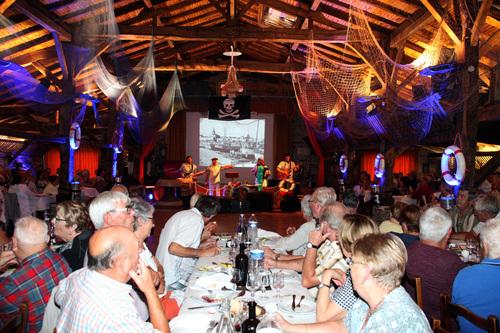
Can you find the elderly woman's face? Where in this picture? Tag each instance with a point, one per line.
(62, 230)
(358, 273)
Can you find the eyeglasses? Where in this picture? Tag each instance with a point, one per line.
(121, 210)
(357, 262)
(58, 219)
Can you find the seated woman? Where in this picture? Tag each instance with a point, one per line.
(332, 307)
(378, 264)
(72, 225)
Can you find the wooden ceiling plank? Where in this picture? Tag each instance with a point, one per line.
(46, 19)
(241, 66)
(238, 34)
(148, 3)
(439, 15)
(219, 9)
(245, 9)
(479, 21)
(314, 6)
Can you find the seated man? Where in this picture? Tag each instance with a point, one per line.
(429, 259)
(111, 208)
(323, 251)
(40, 270)
(180, 239)
(463, 213)
(409, 218)
(97, 298)
(476, 287)
(297, 241)
(485, 208)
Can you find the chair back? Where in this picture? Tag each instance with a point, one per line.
(437, 328)
(416, 283)
(18, 322)
(449, 309)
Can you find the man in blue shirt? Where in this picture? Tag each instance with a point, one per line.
(476, 287)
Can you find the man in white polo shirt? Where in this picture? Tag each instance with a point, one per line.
(184, 238)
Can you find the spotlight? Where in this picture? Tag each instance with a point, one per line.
(149, 194)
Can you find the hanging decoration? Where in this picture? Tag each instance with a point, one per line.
(379, 165)
(450, 178)
(232, 86)
(343, 163)
(75, 136)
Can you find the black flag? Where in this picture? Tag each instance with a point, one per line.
(227, 108)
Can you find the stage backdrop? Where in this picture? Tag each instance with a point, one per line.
(85, 158)
(404, 163)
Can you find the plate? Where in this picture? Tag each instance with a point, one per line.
(214, 281)
(306, 306)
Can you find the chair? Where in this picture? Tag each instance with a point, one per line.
(449, 309)
(416, 283)
(18, 322)
(437, 328)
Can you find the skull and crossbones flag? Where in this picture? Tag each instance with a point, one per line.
(229, 108)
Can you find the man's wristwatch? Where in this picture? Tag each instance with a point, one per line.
(312, 246)
(321, 285)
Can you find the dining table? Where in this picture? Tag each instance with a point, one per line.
(210, 283)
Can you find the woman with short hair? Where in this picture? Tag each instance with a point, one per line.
(72, 225)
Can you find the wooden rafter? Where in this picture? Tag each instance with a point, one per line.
(479, 21)
(439, 15)
(45, 18)
(230, 34)
(242, 66)
(5, 5)
(304, 25)
(247, 7)
(417, 21)
(219, 8)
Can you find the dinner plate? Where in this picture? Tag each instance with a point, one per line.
(306, 306)
(214, 281)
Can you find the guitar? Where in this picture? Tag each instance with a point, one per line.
(284, 174)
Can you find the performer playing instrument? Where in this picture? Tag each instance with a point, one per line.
(261, 172)
(213, 176)
(188, 173)
(286, 170)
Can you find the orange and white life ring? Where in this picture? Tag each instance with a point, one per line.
(448, 177)
(343, 163)
(379, 165)
(75, 136)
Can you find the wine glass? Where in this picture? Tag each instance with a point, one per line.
(278, 281)
(253, 283)
(265, 278)
(236, 276)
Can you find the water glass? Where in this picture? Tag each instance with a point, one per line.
(265, 278)
(278, 281)
(236, 276)
(253, 283)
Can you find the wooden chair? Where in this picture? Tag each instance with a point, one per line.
(437, 328)
(449, 309)
(416, 283)
(18, 323)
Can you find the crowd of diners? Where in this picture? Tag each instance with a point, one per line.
(104, 278)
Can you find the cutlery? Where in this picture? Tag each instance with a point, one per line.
(293, 302)
(300, 301)
(204, 306)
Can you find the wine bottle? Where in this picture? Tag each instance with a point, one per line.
(250, 325)
(241, 263)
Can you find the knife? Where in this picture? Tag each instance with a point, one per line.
(293, 302)
(203, 306)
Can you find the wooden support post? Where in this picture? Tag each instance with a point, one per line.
(66, 157)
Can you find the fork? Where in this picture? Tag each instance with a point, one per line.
(300, 301)
(293, 302)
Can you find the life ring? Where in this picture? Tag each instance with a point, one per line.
(448, 177)
(343, 163)
(379, 165)
(75, 136)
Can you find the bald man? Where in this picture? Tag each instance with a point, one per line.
(40, 270)
(97, 298)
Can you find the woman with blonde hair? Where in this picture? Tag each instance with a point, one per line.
(378, 265)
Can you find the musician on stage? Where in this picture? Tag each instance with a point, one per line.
(188, 172)
(286, 170)
(213, 176)
(261, 172)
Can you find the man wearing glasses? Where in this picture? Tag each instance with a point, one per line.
(111, 209)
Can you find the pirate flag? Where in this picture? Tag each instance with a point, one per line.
(229, 108)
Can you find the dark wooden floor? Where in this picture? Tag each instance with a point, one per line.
(226, 222)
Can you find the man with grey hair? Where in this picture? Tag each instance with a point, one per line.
(429, 259)
(297, 242)
(111, 208)
(485, 208)
(323, 251)
(40, 270)
(476, 287)
(97, 298)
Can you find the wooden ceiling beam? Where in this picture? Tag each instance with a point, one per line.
(439, 15)
(245, 9)
(5, 5)
(37, 13)
(479, 21)
(241, 66)
(219, 9)
(417, 21)
(304, 25)
(230, 34)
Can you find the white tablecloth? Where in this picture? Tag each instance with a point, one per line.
(192, 298)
